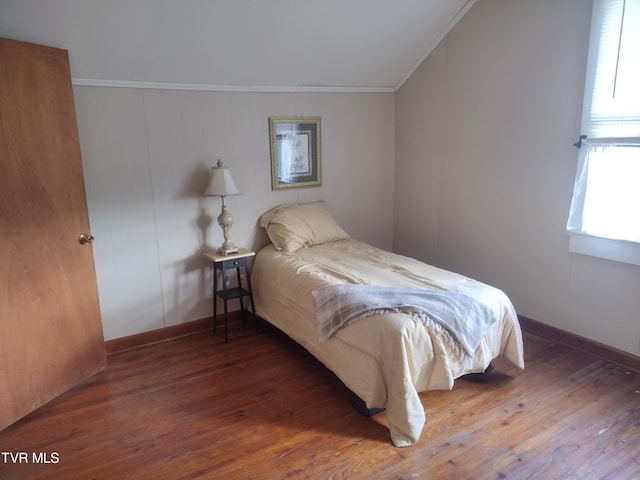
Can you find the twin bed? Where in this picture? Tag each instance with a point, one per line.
(387, 325)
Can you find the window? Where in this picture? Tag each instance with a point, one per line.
(604, 219)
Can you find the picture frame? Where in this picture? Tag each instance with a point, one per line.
(296, 154)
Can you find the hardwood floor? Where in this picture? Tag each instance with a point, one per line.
(262, 407)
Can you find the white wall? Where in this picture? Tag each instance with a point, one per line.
(147, 154)
(485, 166)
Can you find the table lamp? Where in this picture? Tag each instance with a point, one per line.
(220, 185)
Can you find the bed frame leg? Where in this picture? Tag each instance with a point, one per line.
(479, 377)
(362, 408)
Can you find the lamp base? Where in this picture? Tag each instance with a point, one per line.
(225, 220)
(227, 251)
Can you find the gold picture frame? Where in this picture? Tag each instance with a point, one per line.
(296, 154)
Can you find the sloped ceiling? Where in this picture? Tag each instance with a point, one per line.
(349, 44)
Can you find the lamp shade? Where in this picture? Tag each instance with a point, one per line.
(220, 183)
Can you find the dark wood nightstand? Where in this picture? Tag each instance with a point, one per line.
(223, 264)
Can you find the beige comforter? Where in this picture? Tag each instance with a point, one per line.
(384, 359)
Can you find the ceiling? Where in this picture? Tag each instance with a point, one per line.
(263, 44)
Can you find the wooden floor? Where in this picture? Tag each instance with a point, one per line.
(261, 407)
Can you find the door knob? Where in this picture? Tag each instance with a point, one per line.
(86, 238)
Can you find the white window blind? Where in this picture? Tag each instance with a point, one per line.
(606, 199)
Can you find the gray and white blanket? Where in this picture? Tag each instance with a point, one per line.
(461, 316)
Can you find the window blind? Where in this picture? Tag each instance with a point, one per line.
(612, 88)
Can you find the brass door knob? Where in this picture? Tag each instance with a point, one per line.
(86, 238)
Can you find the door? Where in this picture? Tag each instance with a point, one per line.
(50, 327)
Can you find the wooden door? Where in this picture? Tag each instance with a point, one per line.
(50, 327)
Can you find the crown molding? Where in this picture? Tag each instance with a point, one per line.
(94, 82)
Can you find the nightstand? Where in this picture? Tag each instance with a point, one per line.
(223, 264)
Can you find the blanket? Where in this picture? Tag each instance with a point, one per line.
(465, 319)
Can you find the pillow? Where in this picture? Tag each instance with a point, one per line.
(291, 227)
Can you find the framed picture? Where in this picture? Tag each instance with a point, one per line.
(295, 152)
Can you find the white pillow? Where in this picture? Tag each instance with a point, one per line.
(291, 227)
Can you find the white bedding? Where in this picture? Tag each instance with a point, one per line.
(384, 359)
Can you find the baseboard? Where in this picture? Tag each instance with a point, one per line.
(593, 348)
(590, 347)
(163, 334)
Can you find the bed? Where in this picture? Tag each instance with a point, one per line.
(385, 355)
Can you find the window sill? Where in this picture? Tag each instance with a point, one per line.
(617, 250)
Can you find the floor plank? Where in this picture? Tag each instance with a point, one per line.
(262, 407)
